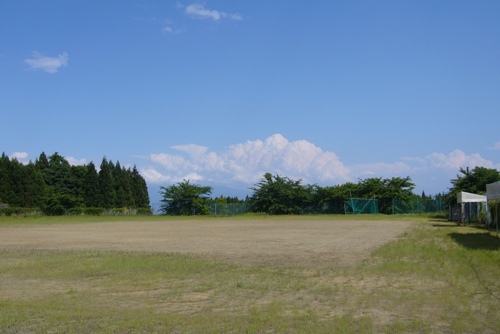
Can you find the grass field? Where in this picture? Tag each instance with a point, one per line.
(434, 277)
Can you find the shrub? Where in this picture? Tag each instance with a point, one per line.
(77, 211)
(94, 211)
(144, 211)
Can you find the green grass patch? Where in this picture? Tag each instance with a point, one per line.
(436, 277)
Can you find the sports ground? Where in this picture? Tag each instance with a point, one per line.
(290, 240)
(247, 274)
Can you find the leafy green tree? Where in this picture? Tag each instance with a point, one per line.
(386, 190)
(395, 188)
(185, 199)
(473, 181)
(371, 187)
(332, 198)
(277, 195)
(221, 200)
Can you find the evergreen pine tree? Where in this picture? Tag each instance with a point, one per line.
(58, 176)
(126, 181)
(140, 190)
(33, 186)
(119, 191)
(42, 162)
(106, 184)
(6, 190)
(123, 189)
(78, 174)
(91, 194)
(17, 183)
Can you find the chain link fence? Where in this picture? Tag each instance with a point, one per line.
(417, 205)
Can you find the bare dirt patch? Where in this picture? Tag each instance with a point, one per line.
(295, 241)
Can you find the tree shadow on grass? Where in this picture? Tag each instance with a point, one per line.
(443, 223)
(483, 241)
(452, 223)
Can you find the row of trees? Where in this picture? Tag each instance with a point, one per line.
(54, 186)
(276, 194)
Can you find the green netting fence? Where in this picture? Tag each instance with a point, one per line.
(361, 205)
(228, 209)
(417, 205)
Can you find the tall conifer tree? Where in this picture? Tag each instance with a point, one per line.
(140, 189)
(106, 184)
(92, 196)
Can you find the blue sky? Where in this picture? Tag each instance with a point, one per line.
(221, 92)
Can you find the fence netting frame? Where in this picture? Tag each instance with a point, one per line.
(361, 205)
(227, 209)
(417, 205)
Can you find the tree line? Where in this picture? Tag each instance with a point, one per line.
(277, 194)
(55, 187)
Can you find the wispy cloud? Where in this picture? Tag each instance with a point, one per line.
(169, 29)
(47, 64)
(382, 169)
(199, 11)
(495, 147)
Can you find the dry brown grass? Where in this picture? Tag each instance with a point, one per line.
(426, 278)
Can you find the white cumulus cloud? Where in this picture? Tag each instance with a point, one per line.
(153, 176)
(47, 64)
(199, 10)
(22, 157)
(247, 162)
(297, 159)
(76, 162)
(195, 151)
(456, 159)
(241, 165)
